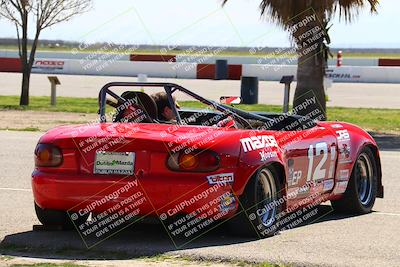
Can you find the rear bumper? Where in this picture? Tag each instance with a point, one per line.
(148, 195)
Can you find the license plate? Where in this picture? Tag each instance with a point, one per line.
(121, 163)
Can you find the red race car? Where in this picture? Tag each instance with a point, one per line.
(259, 172)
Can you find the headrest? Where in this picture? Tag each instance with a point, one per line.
(144, 101)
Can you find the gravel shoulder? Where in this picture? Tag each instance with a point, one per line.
(40, 120)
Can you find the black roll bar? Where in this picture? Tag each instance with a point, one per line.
(106, 90)
(169, 89)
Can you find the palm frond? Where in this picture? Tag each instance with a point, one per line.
(285, 12)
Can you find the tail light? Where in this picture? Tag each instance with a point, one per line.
(47, 156)
(196, 161)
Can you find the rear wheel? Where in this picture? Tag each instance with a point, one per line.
(360, 194)
(50, 217)
(259, 206)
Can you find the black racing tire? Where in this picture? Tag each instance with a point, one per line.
(253, 218)
(360, 195)
(49, 217)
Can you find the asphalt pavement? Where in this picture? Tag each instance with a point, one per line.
(332, 240)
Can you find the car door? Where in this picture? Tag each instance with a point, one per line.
(311, 163)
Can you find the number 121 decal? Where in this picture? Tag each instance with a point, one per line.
(319, 173)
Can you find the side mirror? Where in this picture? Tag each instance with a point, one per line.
(230, 100)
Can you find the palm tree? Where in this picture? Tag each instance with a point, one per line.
(300, 17)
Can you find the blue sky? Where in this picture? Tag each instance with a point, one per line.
(204, 22)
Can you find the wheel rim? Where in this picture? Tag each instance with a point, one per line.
(364, 179)
(267, 194)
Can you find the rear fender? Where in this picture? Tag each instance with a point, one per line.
(359, 139)
(252, 159)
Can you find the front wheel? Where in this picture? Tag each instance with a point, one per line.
(361, 191)
(259, 205)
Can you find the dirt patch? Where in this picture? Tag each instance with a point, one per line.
(41, 120)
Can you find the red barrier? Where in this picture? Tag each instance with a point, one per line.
(235, 72)
(207, 71)
(385, 62)
(10, 65)
(156, 58)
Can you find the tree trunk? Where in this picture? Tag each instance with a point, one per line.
(26, 70)
(309, 99)
(26, 76)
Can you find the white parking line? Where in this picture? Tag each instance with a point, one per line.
(15, 189)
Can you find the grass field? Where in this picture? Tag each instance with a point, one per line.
(220, 53)
(377, 120)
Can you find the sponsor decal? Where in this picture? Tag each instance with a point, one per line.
(344, 174)
(258, 142)
(228, 202)
(337, 74)
(340, 187)
(328, 185)
(294, 176)
(336, 126)
(221, 178)
(344, 152)
(113, 163)
(48, 64)
(121, 163)
(343, 135)
(266, 155)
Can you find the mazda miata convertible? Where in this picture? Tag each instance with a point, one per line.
(212, 164)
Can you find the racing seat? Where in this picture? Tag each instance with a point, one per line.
(143, 104)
